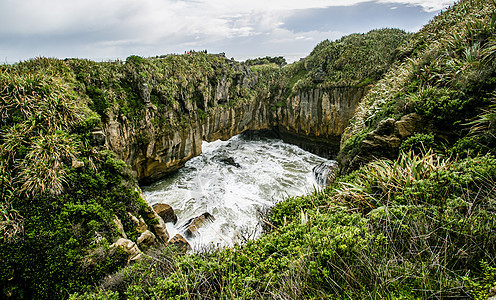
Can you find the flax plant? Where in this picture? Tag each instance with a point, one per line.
(381, 180)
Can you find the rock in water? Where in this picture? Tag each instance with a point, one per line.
(166, 212)
(325, 172)
(194, 224)
(230, 161)
(180, 242)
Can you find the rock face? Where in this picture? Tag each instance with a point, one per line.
(180, 242)
(166, 212)
(325, 173)
(318, 115)
(129, 247)
(164, 139)
(192, 225)
(385, 140)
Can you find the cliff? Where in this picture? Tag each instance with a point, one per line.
(76, 135)
(308, 103)
(316, 119)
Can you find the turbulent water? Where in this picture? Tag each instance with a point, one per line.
(234, 180)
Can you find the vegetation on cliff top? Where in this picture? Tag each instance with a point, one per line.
(446, 74)
(417, 225)
(420, 224)
(354, 60)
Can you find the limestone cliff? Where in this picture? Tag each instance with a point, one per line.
(168, 130)
(318, 115)
(156, 112)
(152, 151)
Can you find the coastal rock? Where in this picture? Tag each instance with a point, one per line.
(160, 229)
(325, 173)
(166, 212)
(315, 119)
(147, 238)
(193, 224)
(230, 161)
(119, 227)
(180, 242)
(139, 222)
(385, 140)
(407, 125)
(129, 247)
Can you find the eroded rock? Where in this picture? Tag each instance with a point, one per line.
(385, 140)
(147, 238)
(180, 242)
(230, 161)
(139, 222)
(160, 229)
(325, 173)
(193, 224)
(166, 212)
(119, 227)
(129, 247)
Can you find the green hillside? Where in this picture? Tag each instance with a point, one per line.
(410, 215)
(417, 224)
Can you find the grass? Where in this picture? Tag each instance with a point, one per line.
(419, 225)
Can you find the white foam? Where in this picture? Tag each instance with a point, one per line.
(269, 171)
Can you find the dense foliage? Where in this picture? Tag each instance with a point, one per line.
(447, 74)
(421, 224)
(418, 227)
(280, 61)
(59, 193)
(354, 60)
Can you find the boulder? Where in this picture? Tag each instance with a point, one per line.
(180, 242)
(129, 247)
(166, 212)
(119, 227)
(193, 224)
(385, 140)
(140, 223)
(407, 125)
(77, 164)
(160, 229)
(146, 238)
(230, 161)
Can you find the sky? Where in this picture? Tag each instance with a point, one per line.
(115, 29)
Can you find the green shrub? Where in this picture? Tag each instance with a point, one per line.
(418, 143)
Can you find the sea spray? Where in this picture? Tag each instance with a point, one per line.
(233, 181)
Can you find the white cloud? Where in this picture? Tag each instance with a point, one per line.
(427, 5)
(114, 24)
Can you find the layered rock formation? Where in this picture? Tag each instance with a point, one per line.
(315, 119)
(216, 107)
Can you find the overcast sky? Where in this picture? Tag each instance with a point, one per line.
(111, 29)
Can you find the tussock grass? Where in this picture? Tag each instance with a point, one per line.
(444, 75)
(381, 181)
